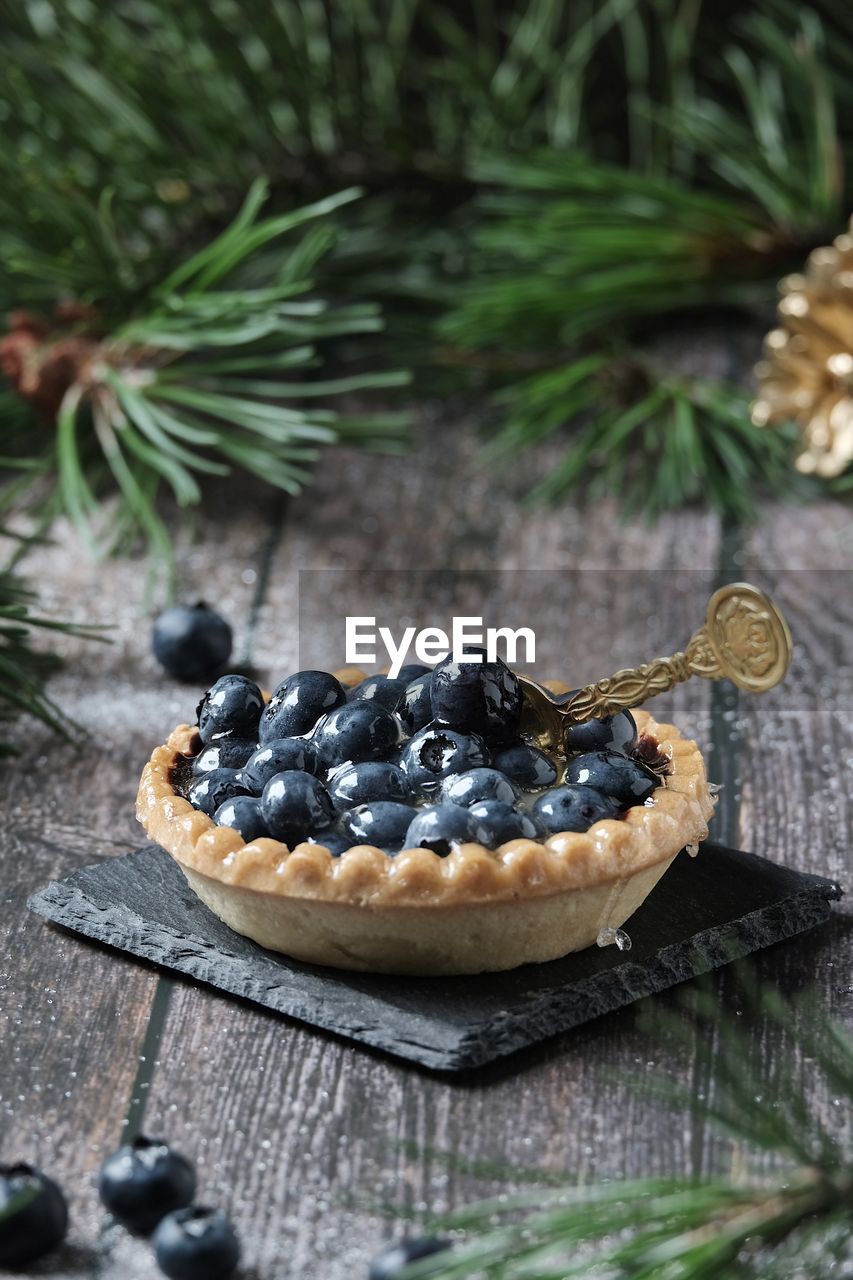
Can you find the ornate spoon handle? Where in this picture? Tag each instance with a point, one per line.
(745, 639)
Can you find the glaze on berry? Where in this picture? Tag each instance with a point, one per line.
(431, 759)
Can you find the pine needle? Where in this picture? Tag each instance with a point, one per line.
(191, 385)
(24, 668)
(796, 1221)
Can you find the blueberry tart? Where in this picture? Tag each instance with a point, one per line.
(407, 825)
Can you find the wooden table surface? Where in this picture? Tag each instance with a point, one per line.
(308, 1140)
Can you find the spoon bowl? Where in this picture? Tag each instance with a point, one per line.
(745, 639)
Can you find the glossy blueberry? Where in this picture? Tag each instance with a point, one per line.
(412, 671)
(211, 790)
(478, 784)
(573, 808)
(33, 1215)
(625, 780)
(196, 1244)
(353, 784)
(383, 823)
(334, 841)
(441, 827)
(295, 803)
(298, 703)
(191, 642)
(477, 697)
(393, 1260)
(232, 706)
(498, 822)
(243, 813)
(435, 752)
(279, 756)
(223, 753)
(616, 733)
(142, 1182)
(415, 708)
(526, 765)
(380, 689)
(356, 731)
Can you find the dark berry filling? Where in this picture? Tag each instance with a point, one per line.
(223, 753)
(212, 789)
(298, 703)
(415, 706)
(435, 753)
(617, 733)
(381, 690)
(367, 780)
(231, 708)
(475, 785)
(477, 697)
(441, 827)
(383, 823)
(431, 759)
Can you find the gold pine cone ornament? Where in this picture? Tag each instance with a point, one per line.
(806, 375)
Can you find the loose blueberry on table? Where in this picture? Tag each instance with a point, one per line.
(191, 642)
(196, 1243)
(33, 1215)
(431, 759)
(143, 1181)
(394, 1259)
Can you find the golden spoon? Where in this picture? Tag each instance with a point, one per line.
(745, 639)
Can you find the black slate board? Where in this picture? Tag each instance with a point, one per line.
(703, 914)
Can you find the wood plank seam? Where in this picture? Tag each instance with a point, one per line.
(134, 1119)
(723, 766)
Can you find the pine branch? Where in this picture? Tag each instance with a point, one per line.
(215, 372)
(646, 436)
(795, 1222)
(571, 258)
(24, 669)
(713, 164)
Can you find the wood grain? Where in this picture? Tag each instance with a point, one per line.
(74, 1019)
(316, 1138)
(308, 1140)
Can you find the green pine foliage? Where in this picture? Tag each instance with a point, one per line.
(787, 1212)
(25, 665)
(213, 368)
(542, 181)
(543, 184)
(573, 259)
(201, 380)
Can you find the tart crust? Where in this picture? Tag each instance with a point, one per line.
(473, 911)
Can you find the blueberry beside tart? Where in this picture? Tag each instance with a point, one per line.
(408, 827)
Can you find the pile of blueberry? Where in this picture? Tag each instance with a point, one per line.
(148, 1188)
(431, 759)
